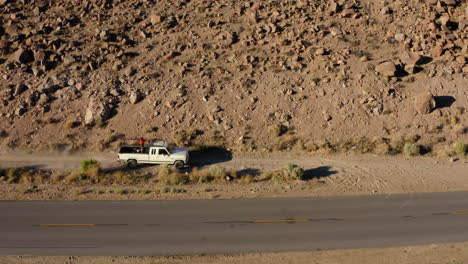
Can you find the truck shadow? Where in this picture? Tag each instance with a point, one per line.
(209, 156)
(318, 173)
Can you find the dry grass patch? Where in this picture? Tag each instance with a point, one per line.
(461, 148)
(411, 149)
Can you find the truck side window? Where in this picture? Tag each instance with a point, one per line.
(163, 152)
(153, 152)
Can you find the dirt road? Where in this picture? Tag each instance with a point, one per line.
(332, 175)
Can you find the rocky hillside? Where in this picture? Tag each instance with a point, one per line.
(249, 75)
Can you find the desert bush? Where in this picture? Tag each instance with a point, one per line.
(109, 139)
(411, 149)
(11, 176)
(247, 179)
(382, 148)
(99, 123)
(278, 130)
(285, 142)
(119, 191)
(460, 129)
(88, 164)
(461, 148)
(164, 190)
(89, 171)
(23, 190)
(177, 190)
(459, 110)
(76, 191)
(218, 172)
(168, 177)
(175, 179)
(119, 177)
(295, 172)
(265, 176)
(74, 176)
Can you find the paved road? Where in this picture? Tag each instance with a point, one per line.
(230, 226)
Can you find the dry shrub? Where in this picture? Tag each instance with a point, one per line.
(119, 177)
(382, 148)
(411, 149)
(90, 172)
(185, 138)
(278, 130)
(213, 173)
(267, 175)
(325, 147)
(459, 110)
(74, 176)
(461, 148)
(397, 144)
(10, 175)
(31, 177)
(56, 177)
(295, 172)
(168, 177)
(460, 129)
(248, 178)
(284, 143)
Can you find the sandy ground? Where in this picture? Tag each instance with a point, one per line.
(330, 176)
(440, 254)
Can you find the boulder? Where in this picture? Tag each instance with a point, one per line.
(97, 110)
(20, 111)
(20, 88)
(155, 19)
(424, 103)
(48, 86)
(386, 68)
(129, 71)
(410, 60)
(23, 56)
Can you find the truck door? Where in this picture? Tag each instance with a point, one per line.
(153, 155)
(163, 156)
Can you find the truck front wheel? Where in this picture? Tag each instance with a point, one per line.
(132, 164)
(179, 164)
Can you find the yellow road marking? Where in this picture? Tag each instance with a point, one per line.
(279, 221)
(67, 224)
(460, 213)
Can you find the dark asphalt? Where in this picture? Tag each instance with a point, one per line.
(230, 226)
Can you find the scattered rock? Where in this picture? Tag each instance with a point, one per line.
(387, 68)
(400, 37)
(320, 51)
(410, 60)
(23, 56)
(135, 97)
(385, 11)
(20, 88)
(155, 19)
(129, 71)
(424, 103)
(97, 110)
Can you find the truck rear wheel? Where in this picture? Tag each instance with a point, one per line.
(132, 164)
(179, 164)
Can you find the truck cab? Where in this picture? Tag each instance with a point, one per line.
(158, 152)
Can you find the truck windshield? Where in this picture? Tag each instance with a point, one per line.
(170, 148)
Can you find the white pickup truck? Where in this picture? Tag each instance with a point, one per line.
(159, 152)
